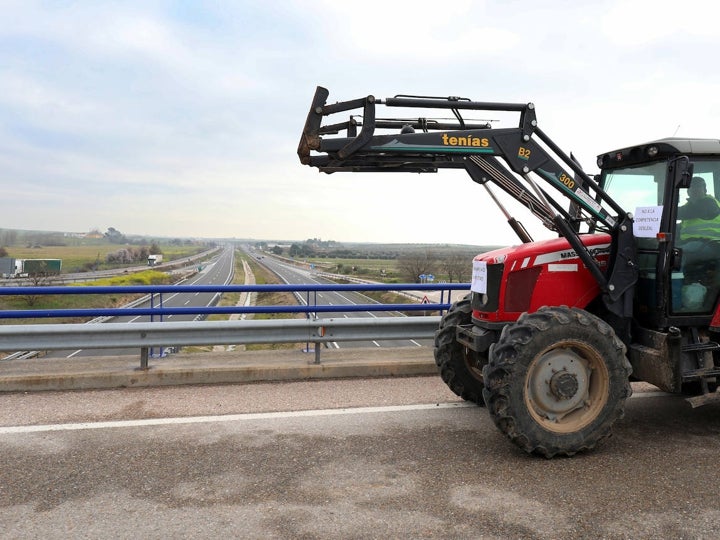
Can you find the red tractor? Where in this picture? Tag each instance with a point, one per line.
(554, 331)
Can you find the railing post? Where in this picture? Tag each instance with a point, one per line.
(144, 353)
(152, 319)
(147, 352)
(320, 331)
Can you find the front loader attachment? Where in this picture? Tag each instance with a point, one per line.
(366, 143)
(521, 160)
(310, 139)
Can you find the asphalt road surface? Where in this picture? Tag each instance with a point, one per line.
(378, 458)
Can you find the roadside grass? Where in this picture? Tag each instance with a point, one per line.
(146, 277)
(388, 297)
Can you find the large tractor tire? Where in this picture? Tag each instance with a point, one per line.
(557, 381)
(460, 367)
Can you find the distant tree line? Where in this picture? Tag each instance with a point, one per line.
(453, 266)
(330, 249)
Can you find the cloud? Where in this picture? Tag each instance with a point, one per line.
(416, 33)
(642, 23)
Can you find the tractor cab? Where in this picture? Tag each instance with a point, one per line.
(676, 226)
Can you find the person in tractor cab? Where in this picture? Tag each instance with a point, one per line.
(700, 213)
(700, 241)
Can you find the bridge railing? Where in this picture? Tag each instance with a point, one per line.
(168, 335)
(157, 308)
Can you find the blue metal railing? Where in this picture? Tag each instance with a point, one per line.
(311, 306)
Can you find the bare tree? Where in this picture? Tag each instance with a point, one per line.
(413, 265)
(40, 278)
(457, 265)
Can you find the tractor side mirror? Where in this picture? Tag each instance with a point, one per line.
(682, 172)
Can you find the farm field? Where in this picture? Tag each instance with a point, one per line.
(375, 269)
(80, 258)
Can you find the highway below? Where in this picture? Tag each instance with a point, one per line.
(218, 271)
(359, 459)
(295, 275)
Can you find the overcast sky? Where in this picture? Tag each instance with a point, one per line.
(182, 118)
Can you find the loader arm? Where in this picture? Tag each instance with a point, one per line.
(522, 161)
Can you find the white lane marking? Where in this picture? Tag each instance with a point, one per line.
(231, 418)
(350, 302)
(257, 416)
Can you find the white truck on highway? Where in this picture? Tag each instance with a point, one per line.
(154, 259)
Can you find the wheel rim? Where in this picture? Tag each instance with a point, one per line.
(566, 386)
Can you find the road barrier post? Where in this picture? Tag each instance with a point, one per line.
(144, 355)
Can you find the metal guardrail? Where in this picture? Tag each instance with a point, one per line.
(124, 335)
(176, 334)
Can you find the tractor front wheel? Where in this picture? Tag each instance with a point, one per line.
(460, 367)
(557, 380)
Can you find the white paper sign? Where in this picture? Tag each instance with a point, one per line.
(647, 221)
(479, 277)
